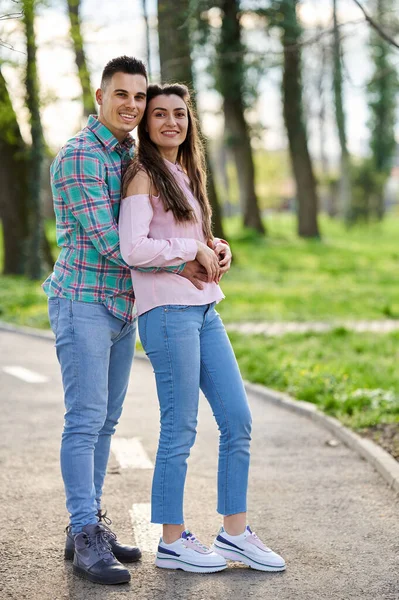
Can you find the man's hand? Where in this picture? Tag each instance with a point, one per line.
(195, 273)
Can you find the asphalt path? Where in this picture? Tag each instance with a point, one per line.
(322, 507)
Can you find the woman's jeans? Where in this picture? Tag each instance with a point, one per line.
(95, 351)
(189, 349)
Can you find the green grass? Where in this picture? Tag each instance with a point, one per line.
(347, 275)
(351, 376)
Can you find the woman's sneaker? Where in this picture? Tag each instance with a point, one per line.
(188, 554)
(248, 549)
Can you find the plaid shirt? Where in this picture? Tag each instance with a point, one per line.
(86, 186)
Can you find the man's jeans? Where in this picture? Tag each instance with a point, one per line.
(189, 349)
(95, 351)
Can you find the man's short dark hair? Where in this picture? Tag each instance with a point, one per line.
(123, 64)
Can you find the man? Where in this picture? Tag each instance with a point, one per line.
(91, 311)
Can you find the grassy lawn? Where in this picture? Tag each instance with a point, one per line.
(347, 275)
(351, 376)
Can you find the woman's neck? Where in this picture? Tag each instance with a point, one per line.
(169, 153)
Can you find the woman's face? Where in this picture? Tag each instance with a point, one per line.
(167, 121)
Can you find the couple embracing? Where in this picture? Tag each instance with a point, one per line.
(151, 255)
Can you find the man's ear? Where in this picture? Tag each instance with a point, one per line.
(99, 96)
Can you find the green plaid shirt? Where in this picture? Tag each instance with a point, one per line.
(86, 184)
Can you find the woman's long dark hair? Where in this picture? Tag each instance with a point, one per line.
(190, 157)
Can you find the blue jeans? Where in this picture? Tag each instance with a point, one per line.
(95, 351)
(189, 349)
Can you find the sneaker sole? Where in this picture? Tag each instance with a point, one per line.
(239, 557)
(97, 579)
(172, 563)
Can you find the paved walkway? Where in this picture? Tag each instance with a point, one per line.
(276, 329)
(321, 506)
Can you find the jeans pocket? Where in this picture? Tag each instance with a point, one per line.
(143, 329)
(53, 313)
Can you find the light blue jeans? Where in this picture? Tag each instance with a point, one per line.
(95, 351)
(189, 349)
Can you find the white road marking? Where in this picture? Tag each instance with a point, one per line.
(146, 534)
(130, 453)
(25, 374)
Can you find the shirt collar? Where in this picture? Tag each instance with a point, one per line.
(107, 138)
(174, 167)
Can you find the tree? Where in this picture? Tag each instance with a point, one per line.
(147, 37)
(382, 92)
(283, 15)
(89, 107)
(176, 65)
(345, 194)
(14, 186)
(231, 83)
(36, 233)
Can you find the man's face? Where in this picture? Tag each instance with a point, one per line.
(122, 103)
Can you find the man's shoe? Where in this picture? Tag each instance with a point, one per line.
(93, 558)
(188, 554)
(127, 554)
(248, 549)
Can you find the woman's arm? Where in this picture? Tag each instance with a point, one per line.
(137, 249)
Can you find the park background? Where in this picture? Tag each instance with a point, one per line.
(298, 105)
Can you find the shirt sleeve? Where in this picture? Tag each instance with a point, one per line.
(80, 180)
(142, 251)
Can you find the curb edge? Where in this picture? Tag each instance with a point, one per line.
(381, 460)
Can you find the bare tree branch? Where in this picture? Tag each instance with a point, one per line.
(376, 26)
(17, 15)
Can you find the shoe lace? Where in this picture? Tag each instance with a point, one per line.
(193, 539)
(105, 522)
(99, 540)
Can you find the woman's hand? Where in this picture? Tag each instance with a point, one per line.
(209, 260)
(224, 255)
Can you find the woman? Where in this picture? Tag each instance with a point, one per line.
(165, 220)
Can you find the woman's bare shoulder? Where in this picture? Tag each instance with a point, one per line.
(139, 184)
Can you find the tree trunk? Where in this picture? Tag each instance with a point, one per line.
(307, 199)
(322, 108)
(147, 38)
(382, 89)
(176, 66)
(34, 259)
(89, 107)
(13, 186)
(345, 191)
(231, 85)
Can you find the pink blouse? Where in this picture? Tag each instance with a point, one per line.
(151, 237)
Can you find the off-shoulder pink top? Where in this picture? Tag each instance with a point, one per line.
(151, 237)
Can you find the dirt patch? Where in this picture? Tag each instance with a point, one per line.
(386, 435)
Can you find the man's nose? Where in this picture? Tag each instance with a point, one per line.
(131, 102)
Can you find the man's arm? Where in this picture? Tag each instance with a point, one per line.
(80, 180)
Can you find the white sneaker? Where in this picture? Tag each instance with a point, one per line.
(188, 554)
(248, 549)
